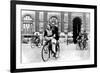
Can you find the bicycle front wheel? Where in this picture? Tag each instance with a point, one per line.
(45, 53)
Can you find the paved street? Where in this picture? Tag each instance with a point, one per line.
(67, 53)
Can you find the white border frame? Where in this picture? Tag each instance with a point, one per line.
(52, 64)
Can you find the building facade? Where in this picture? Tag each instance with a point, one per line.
(36, 21)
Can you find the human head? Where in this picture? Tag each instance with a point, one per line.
(53, 20)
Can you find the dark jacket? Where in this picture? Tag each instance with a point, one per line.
(54, 32)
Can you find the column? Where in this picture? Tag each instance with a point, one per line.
(70, 27)
(62, 21)
(45, 19)
(37, 21)
(84, 21)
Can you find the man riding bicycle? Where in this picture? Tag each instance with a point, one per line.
(51, 34)
(82, 39)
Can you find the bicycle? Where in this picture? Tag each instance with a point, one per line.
(47, 51)
(82, 43)
(35, 42)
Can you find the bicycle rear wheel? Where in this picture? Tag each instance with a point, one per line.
(45, 53)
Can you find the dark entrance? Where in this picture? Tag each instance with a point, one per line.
(76, 28)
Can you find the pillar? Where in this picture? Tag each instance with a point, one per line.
(62, 21)
(37, 21)
(45, 19)
(70, 27)
(84, 21)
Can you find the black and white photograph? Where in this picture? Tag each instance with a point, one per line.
(50, 36)
(54, 36)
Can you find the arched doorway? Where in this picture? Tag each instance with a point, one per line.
(76, 28)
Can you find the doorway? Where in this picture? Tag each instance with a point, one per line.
(76, 28)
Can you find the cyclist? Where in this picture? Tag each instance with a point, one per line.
(53, 22)
(36, 39)
(85, 40)
(82, 38)
(48, 35)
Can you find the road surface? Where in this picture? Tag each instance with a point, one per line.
(67, 53)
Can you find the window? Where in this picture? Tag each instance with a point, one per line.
(41, 22)
(65, 22)
(27, 24)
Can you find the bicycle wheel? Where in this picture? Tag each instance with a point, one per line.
(45, 53)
